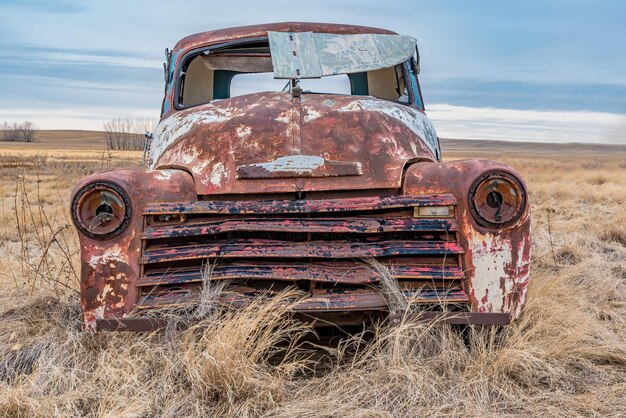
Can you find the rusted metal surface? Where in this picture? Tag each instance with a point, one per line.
(450, 233)
(129, 324)
(320, 300)
(315, 55)
(332, 319)
(382, 136)
(111, 268)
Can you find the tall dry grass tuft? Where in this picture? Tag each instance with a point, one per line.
(560, 359)
(240, 363)
(397, 301)
(244, 359)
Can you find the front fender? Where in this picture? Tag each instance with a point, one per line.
(110, 268)
(496, 260)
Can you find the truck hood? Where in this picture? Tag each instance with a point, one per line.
(271, 143)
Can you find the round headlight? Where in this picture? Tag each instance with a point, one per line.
(497, 199)
(101, 210)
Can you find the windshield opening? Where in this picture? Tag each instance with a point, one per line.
(235, 70)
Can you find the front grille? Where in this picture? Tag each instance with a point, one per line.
(324, 248)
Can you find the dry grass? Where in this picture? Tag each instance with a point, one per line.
(565, 357)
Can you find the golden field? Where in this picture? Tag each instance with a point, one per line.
(565, 357)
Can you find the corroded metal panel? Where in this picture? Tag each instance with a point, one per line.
(320, 300)
(213, 141)
(313, 55)
(497, 260)
(299, 166)
(110, 269)
(319, 272)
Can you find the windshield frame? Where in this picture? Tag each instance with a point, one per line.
(411, 79)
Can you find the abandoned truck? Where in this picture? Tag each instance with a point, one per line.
(298, 154)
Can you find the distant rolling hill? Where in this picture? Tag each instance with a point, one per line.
(95, 141)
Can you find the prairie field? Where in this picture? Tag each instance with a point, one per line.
(565, 357)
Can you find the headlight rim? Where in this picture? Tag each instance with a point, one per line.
(89, 188)
(517, 184)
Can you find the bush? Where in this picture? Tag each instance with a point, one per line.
(126, 133)
(18, 132)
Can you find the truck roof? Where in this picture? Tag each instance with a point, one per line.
(219, 35)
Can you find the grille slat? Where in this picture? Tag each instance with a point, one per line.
(314, 249)
(322, 300)
(343, 225)
(341, 272)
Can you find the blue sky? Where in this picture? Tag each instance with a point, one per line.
(550, 70)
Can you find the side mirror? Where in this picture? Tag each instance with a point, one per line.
(416, 61)
(166, 65)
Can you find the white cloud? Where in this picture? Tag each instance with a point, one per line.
(528, 125)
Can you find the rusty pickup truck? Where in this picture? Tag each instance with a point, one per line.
(296, 154)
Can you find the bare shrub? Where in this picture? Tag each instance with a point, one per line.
(126, 133)
(18, 132)
(27, 131)
(46, 244)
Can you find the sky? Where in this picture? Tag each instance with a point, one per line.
(533, 70)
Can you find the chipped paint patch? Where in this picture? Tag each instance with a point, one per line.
(113, 253)
(284, 117)
(179, 124)
(190, 155)
(218, 174)
(522, 278)
(163, 175)
(415, 120)
(243, 131)
(491, 257)
(310, 115)
(199, 168)
(293, 163)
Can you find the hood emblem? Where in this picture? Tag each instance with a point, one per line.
(299, 166)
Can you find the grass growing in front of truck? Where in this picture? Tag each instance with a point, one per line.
(565, 357)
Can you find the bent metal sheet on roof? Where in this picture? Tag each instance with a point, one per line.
(315, 55)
